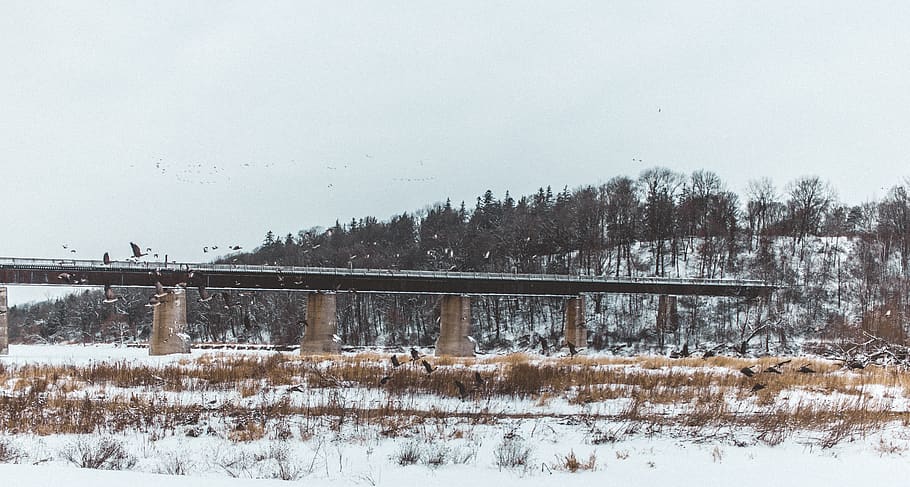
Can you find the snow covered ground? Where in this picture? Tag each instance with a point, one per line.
(442, 448)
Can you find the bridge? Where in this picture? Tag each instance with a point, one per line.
(322, 283)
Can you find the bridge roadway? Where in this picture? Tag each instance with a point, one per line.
(68, 272)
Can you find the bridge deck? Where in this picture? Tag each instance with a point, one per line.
(67, 272)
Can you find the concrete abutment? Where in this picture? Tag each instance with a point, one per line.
(576, 330)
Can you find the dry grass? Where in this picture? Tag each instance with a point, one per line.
(697, 395)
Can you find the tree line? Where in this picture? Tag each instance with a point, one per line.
(843, 268)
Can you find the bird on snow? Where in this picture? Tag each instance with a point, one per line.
(137, 251)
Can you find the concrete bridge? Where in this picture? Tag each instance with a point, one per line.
(321, 284)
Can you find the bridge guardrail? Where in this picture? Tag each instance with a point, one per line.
(75, 264)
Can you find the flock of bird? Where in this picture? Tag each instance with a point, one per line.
(160, 292)
(415, 357)
(751, 371)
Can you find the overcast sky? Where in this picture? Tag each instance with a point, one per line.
(184, 124)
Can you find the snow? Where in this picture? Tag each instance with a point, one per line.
(351, 453)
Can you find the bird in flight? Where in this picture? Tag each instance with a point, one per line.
(204, 295)
(426, 365)
(153, 301)
(137, 251)
(395, 361)
(109, 296)
(747, 371)
(415, 355)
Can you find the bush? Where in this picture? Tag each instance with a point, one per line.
(408, 453)
(105, 454)
(513, 452)
(9, 453)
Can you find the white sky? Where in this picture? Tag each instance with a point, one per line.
(184, 124)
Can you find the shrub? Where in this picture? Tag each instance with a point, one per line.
(105, 454)
(513, 452)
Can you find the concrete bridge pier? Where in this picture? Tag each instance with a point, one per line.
(455, 327)
(319, 334)
(169, 325)
(4, 324)
(576, 331)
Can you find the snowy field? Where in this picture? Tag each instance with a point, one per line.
(352, 433)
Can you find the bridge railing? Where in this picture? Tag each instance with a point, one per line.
(76, 264)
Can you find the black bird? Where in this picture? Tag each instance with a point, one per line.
(462, 391)
(757, 387)
(235, 247)
(572, 350)
(426, 365)
(106, 259)
(544, 349)
(109, 296)
(478, 380)
(772, 370)
(137, 251)
(415, 355)
(747, 371)
(384, 380)
(204, 295)
(395, 361)
(775, 369)
(805, 369)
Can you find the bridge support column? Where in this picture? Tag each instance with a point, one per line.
(455, 327)
(576, 331)
(319, 335)
(169, 325)
(4, 328)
